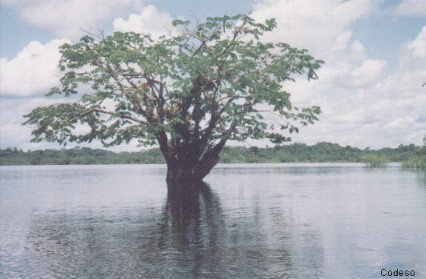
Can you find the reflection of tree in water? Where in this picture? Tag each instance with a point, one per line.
(192, 231)
(190, 237)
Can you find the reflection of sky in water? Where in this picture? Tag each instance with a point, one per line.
(318, 221)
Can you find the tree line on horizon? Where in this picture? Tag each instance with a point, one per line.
(295, 152)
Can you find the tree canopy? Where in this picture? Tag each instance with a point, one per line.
(189, 93)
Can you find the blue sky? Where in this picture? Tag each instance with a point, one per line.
(369, 89)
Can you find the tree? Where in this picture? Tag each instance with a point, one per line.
(422, 149)
(189, 93)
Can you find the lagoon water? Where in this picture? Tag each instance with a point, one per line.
(252, 221)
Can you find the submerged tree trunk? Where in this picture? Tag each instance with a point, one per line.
(189, 160)
(184, 171)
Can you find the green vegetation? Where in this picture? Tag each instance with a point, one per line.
(77, 156)
(188, 93)
(418, 161)
(415, 162)
(375, 160)
(296, 152)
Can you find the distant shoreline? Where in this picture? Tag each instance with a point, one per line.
(291, 153)
(231, 165)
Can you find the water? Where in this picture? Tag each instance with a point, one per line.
(253, 221)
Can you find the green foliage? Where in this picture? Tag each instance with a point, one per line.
(416, 162)
(212, 82)
(375, 160)
(421, 151)
(78, 156)
(296, 152)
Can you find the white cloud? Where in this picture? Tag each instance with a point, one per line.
(386, 111)
(149, 20)
(12, 132)
(69, 18)
(411, 8)
(342, 41)
(418, 46)
(324, 28)
(33, 71)
(315, 25)
(412, 70)
(367, 73)
(363, 103)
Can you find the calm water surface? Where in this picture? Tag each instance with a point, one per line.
(252, 221)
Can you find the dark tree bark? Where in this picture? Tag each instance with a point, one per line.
(186, 171)
(190, 164)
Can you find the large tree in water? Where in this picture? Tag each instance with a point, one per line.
(189, 93)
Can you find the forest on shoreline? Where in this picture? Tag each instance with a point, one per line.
(295, 152)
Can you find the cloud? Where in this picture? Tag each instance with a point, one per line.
(324, 28)
(14, 134)
(388, 110)
(69, 18)
(367, 73)
(412, 71)
(411, 8)
(363, 102)
(418, 46)
(33, 71)
(149, 20)
(313, 24)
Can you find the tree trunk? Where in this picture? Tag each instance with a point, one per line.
(188, 164)
(183, 172)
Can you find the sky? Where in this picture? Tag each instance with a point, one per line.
(369, 89)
